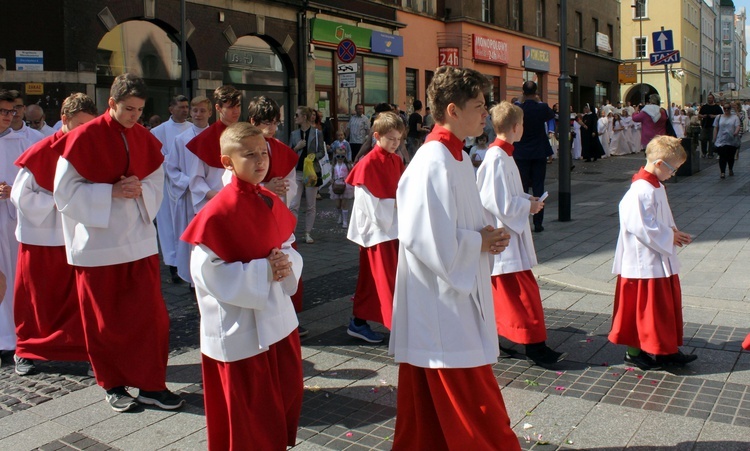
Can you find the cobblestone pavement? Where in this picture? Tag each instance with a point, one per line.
(591, 402)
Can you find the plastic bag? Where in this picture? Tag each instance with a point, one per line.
(309, 177)
(326, 171)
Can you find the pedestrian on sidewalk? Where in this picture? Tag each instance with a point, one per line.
(726, 139)
(444, 336)
(245, 269)
(374, 227)
(707, 114)
(647, 314)
(47, 315)
(653, 120)
(108, 202)
(519, 316)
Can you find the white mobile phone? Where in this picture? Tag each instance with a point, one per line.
(543, 196)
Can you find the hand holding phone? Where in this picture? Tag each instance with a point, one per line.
(543, 196)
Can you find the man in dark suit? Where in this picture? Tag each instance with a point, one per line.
(532, 150)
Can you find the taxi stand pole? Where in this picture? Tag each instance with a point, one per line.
(667, 69)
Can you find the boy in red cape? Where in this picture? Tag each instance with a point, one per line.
(647, 314)
(108, 187)
(281, 179)
(251, 356)
(206, 172)
(443, 332)
(47, 315)
(518, 304)
(374, 227)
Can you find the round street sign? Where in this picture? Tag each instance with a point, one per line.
(346, 50)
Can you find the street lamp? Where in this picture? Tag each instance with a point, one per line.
(639, 6)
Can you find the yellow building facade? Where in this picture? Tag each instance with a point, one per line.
(639, 20)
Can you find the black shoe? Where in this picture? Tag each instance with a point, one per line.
(545, 357)
(506, 353)
(120, 400)
(643, 361)
(677, 359)
(302, 331)
(163, 399)
(587, 160)
(7, 356)
(538, 228)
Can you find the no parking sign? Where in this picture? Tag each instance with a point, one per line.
(346, 50)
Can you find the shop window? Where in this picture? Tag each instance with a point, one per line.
(376, 80)
(428, 74)
(411, 86)
(141, 48)
(494, 94)
(253, 67)
(323, 68)
(600, 93)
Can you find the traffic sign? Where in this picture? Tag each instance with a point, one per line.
(347, 68)
(346, 50)
(664, 58)
(663, 40)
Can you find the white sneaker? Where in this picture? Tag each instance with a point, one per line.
(309, 239)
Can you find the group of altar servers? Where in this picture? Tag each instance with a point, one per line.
(460, 276)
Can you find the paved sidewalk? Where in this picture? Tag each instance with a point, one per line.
(594, 402)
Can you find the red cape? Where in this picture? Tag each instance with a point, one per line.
(506, 146)
(282, 159)
(206, 145)
(379, 171)
(448, 139)
(97, 151)
(239, 226)
(643, 174)
(41, 161)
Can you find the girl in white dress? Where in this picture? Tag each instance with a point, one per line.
(604, 130)
(678, 123)
(619, 144)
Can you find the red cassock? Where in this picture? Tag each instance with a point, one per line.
(253, 402)
(457, 408)
(648, 314)
(125, 320)
(519, 315)
(379, 171)
(282, 160)
(206, 145)
(47, 316)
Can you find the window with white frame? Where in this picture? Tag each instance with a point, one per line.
(640, 10)
(540, 18)
(487, 8)
(515, 15)
(726, 68)
(641, 47)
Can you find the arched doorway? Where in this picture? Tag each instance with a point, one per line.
(144, 49)
(255, 68)
(639, 93)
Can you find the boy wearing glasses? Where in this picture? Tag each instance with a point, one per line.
(647, 314)
(207, 171)
(108, 187)
(12, 146)
(374, 227)
(19, 124)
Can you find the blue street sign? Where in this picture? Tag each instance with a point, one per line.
(663, 40)
(664, 58)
